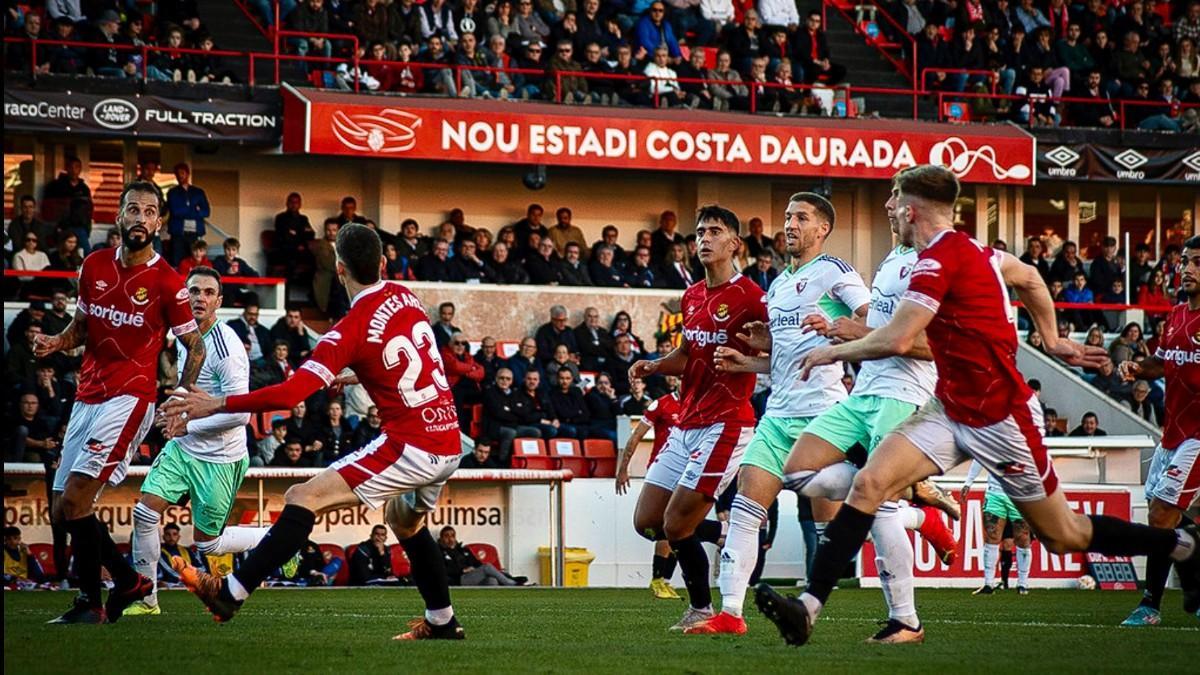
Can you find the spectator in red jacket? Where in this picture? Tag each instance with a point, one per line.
(199, 258)
(463, 373)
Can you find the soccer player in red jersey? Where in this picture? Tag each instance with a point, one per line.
(661, 415)
(982, 408)
(1173, 482)
(716, 420)
(387, 341)
(128, 298)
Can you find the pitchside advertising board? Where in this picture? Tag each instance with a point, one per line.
(320, 122)
(142, 116)
(1048, 570)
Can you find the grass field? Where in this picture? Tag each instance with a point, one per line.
(547, 630)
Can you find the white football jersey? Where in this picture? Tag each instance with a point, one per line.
(909, 380)
(825, 285)
(220, 438)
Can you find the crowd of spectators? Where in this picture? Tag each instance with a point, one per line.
(1104, 51)
(710, 54)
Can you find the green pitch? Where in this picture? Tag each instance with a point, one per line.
(547, 630)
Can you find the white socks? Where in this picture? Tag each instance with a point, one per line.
(233, 540)
(236, 589)
(740, 553)
(1024, 560)
(911, 517)
(1185, 546)
(991, 556)
(147, 546)
(440, 617)
(833, 482)
(894, 560)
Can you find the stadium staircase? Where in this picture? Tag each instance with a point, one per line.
(238, 33)
(1071, 397)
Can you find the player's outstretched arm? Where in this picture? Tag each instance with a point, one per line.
(196, 403)
(1032, 292)
(756, 335)
(671, 364)
(74, 335)
(895, 338)
(1149, 369)
(639, 432)
(729, 360)
(196, 354)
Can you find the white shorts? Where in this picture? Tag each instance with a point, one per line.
(385, 468)
(1174, 475)
(703, 459)
(1011, 449)
(102, 439)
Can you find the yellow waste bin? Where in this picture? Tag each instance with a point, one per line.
(575, 564)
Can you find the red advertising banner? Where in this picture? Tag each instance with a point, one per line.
(326, 123)
(1047, 569)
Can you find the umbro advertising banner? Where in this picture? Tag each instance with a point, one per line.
(1086, 161)
(336, 123)
(127, 115)
(1047, 570)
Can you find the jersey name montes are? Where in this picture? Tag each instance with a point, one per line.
(1179, 351)
(824, 285)
(220, 438)
(129, 310)
(904, 379)
(662, 415)
(387, 341)
(973, 334)
(712, 317)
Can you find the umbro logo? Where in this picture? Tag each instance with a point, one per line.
(1062, 156)
(1192, 161)
(1131, 159)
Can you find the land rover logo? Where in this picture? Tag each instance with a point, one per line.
(115, 113)
(1131, 159)
(1062, 156)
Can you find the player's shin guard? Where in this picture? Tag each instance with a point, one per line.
(1113, 536)
(991, 553)
(1024, 562)
(894, 559)
(833, 482)
(85, 545)
(693, 562)
(840, 542)
(233, 540)
(281, 542)
(740, 553)
(429, 573)
(147, 543)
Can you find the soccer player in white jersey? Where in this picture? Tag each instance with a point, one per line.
(887, 392)
(207, 459)
(813, 283)
(999, 510)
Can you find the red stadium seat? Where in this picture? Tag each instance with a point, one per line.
(530, 453)
(568, 455)
(400, 565)
(343, 574)
(475, 428)
(44, 555)
(486, 554)
(601, 454)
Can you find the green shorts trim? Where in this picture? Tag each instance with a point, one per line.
(772, 443)
(1001, 506)
(863, 419)
(212, 487)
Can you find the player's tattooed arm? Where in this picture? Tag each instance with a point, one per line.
(74, 335)
(190, 369)
(1149, 369)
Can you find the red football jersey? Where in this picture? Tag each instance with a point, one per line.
(128, 312)
(663, 415)
(712, 317)
(387, 341)
(973, 333)
(1179, 351)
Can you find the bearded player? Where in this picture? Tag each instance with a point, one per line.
(387, 341)
(204, 460)
(661, 415)
(982, 407)
(128, 298)
(813, 282)
(716, 420)
(1173, 482)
